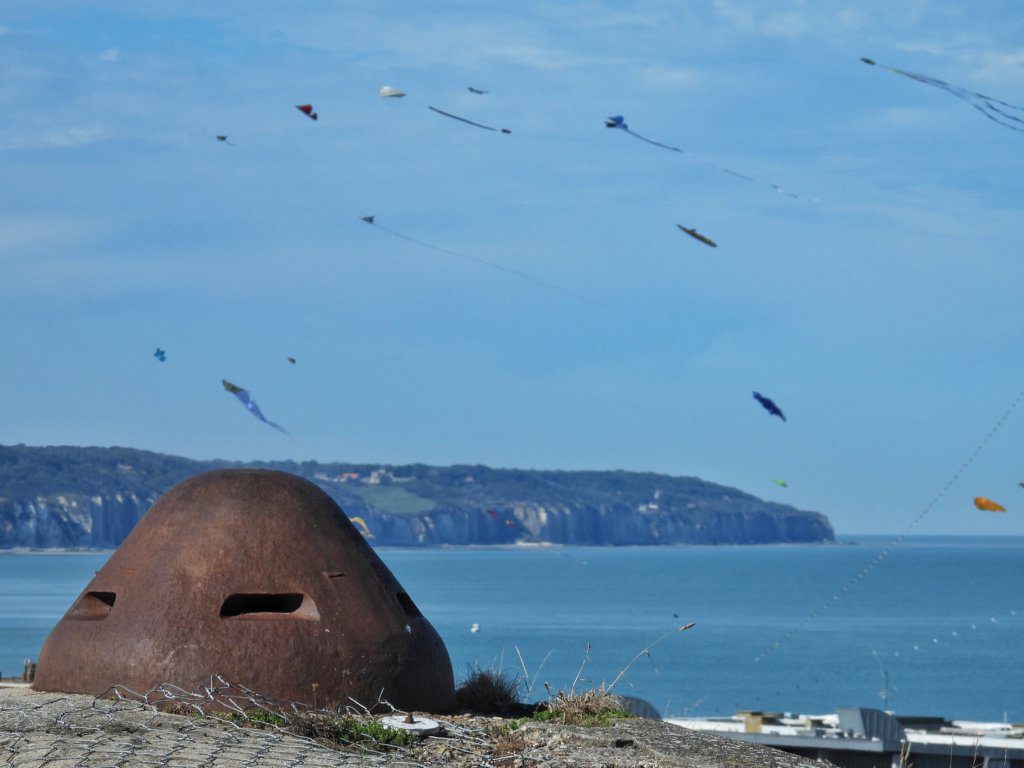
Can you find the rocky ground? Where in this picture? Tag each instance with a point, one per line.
(54, 730)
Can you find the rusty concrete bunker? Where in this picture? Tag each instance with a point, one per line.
(257, 576)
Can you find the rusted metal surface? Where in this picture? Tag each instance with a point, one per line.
(257, 576)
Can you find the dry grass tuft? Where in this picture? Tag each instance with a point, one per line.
(487, 692)
(506, 745)
(596, 707)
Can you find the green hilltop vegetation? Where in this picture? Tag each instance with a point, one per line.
(44, 490)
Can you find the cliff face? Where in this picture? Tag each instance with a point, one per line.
(70, 520)
(93, 497)
(598, 526)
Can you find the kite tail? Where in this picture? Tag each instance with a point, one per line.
(995, 118)
(462, 119)
(712, 164)
(745, 177)
(996, 106)
(655, 143)
(993, 109)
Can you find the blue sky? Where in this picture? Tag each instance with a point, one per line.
(881, 309)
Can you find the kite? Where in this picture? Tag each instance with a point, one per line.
(987, 505)
(522, 275)
(364, 528)
(781, 483)
(464, 120)
(477, 91)
(307, 110)
(698, 236)
(224, 139)
(160, 355)
(291, 360)
(769, 405)
(1021, 485)
(618, 121)
(1007, 115)
(512, 522)
(387, 92)
(246, 399)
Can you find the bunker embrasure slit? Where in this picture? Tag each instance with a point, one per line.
(273, 605)
(92, 606)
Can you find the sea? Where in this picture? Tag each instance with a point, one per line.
(936, 628)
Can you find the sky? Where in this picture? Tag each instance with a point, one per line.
(880, 307)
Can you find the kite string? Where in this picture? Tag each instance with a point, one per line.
(491, 264)
(836, 596)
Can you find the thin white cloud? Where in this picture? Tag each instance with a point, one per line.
(670, 78)
(111, 55)
(74, 136)
(429, 41)
(35, 234)
(998, 66)
(794, 19)
(786, 24)
(903, 117)
(530, 54)
(70, 136)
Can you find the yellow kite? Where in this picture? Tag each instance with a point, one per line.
(361, 524)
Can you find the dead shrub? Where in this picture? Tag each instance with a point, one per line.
(488, 692)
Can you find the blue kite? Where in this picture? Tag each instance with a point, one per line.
(769, 405)
(246, 399)
(160, 355)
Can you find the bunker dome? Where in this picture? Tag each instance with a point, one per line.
(257, 576)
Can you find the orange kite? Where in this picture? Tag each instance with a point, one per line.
(988, 505)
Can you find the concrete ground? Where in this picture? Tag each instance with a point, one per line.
(58, 730)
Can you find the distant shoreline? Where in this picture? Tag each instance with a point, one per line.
(54, 551)
(842, 540)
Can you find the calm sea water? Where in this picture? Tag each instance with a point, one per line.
(943, 616)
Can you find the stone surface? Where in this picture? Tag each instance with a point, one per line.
(46, 730)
